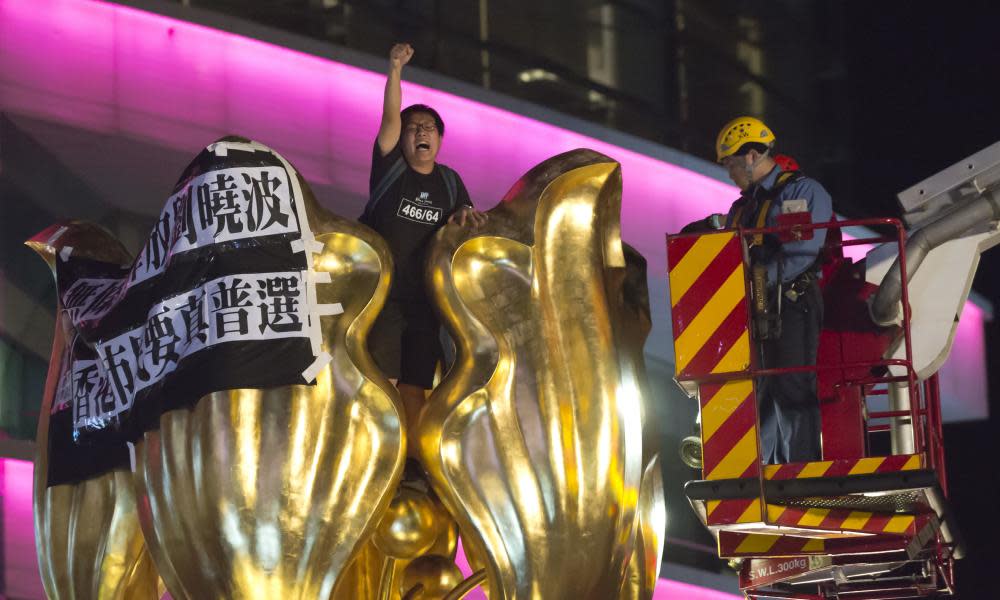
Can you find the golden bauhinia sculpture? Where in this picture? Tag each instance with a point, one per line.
(267, 449)
(533, 439)
(230, 354)
(89, 543)
(267, 493)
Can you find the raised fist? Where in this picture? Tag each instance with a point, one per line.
(400, 55)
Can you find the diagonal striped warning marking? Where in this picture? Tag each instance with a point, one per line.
(709, 318)
(730, 511)
(694, 263)
(752, 514)
(898, 524)
(878, 521)
(865, 466)
(738, 357)
(738, 459)
(742, 420)
(757, 543)
(813, 517)
(677, 248)
(815, 469)
(774, 512)
(722, 405)
(814, 545)
(856, 521)
(721, 342)
(836, 468)
(685, 309)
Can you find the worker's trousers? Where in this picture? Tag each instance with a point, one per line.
(789, 407)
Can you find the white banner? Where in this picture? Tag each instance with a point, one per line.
(245, 307)
(218, 206)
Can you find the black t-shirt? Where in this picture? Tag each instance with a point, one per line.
(408, 214)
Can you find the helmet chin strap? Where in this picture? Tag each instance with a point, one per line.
(752, 166)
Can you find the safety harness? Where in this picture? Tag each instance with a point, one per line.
(764, 204)
(767, 308)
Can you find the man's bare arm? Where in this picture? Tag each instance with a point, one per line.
(391, 126)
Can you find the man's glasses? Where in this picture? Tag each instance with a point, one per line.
(426, 127)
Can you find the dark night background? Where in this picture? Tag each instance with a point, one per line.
(923, 97)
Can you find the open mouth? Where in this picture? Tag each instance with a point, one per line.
(423, 146)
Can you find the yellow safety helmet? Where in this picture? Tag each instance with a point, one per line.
(739, 131)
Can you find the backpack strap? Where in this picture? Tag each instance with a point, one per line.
(390, 177)
(451, 184)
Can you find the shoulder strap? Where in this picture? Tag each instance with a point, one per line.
(764, 207)
(450, 183)
(737, 216)
(761, 221)
(785, 178)
(390, 177)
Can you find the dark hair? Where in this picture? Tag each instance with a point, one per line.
(760, 148)
(423, 108)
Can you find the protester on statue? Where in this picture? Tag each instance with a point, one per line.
(411, 196)
(788, 329)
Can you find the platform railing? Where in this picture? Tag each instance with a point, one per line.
(924, 410)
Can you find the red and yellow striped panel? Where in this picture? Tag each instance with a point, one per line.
(708, 304)
(734, 544)
(729, 430)
(729, 446)
(711, 335)
(838, 519)
(721, 513)
(844, 467)
(732, 512)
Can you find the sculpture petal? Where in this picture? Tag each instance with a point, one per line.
(534, 439)
(86, 534)
(651, 523)
(270, 493)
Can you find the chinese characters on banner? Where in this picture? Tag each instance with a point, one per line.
(149, 336)
(238, 308)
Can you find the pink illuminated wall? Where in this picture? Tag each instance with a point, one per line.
(19, 568)
(962, 378)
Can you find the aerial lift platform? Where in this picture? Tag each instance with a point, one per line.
(872, 519)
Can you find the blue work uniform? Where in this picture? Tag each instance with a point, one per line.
(789, 407)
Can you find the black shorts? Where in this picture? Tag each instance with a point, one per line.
(405, 342)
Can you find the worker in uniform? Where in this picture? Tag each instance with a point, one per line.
(788, 329)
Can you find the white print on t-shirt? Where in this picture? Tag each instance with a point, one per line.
(412, 211)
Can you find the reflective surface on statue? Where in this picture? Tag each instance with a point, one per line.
(87, 534)
(411, 554)
(533, 439)
(651, 524)
(267, 493)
